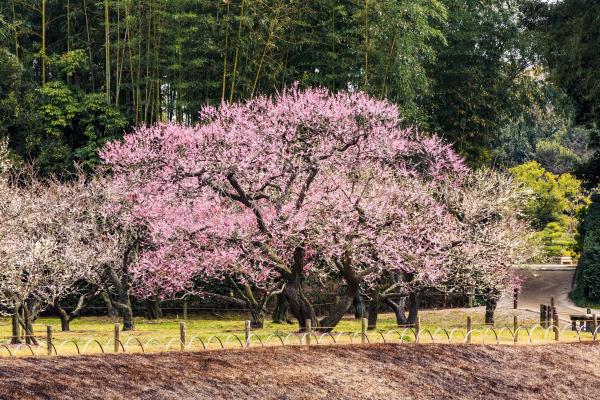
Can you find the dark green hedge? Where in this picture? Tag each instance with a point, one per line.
(588, 274)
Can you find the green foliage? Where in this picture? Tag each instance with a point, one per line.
(10, 87)
(71, 62)
(75, 126)
(567, 39)
(474, 85)
(555, 157)
(568, 34)
(588, 274)
(557, 241)
(555, 208)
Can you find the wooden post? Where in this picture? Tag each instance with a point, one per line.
(185, 310)
(594, 325)
(469, 328)
(551, 310)
(49, 339)
(515, 327)
(470, 298)
(117, 339)
(182, 340)
(248, 332)
(516, 299)
(363, 336)
(542, 315)
(308, 331)
(555, 322)
(418, 330)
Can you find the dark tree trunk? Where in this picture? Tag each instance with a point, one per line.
(27, 324)
(258, 319)
(490, 307)
(67, 317)
(342, 306)
(337, 312)
(16, 334)
(299, 307)
(280, 314)
(153, 310)
(121, 284)
(110, 310)
(303, 310)
(398, 309)
(358, 305)
(373, 311)
(414, 300)
(127, 314)
(65, 322)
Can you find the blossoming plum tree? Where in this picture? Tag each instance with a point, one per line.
(305, 182)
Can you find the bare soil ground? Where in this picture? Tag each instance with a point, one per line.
(561, 371)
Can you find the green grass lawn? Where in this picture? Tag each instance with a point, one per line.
(228, 330)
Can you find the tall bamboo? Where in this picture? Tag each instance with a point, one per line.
(224, 82)
(43, 52)
(366, 44)
(107, 49)
(237, 50)
(16, 31)
(89, 42)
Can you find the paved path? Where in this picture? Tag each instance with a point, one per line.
(543, 282)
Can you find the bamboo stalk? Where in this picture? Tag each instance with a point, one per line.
(107, 49)
(237, 49)
(43, 52)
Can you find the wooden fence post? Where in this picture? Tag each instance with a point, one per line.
(117, 339)
(544, 312)
(516, 299)
(182, 340)
(363, 331)
(248, 332)
(308, 331)
(551, 312)
(470, 299)
(594, 325)
(49, 339)
(469, 328)
(556, 323)
(515, 327)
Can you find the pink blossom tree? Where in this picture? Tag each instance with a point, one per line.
(306, 182)
(495, 235)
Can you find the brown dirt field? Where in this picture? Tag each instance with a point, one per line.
(561, 371)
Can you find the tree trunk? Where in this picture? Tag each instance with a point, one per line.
(280, 314)
(398, 309)
(16, 335)
(343, 305)
(110, 310)
(153, 311)
(373, 311)
(258, 318)
(65, 322)
(414, 300)
(337, 312)
(299, 307)
(27, 324)
(128, 323)
(358, 305)
(490, 307)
